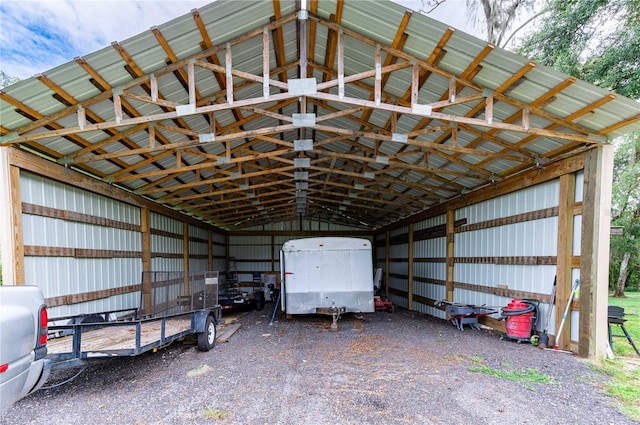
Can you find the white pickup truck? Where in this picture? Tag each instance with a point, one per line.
(23, 343)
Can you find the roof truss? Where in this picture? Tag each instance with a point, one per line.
(247, 132)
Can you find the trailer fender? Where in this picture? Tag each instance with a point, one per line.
(199, 320)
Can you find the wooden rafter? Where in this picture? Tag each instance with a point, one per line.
(366, 166)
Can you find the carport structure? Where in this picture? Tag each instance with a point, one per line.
(244, 123)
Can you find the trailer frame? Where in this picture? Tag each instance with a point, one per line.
(180, 305)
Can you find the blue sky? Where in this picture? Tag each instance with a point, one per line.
(37, 35)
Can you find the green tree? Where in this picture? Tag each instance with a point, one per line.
(498, 17)
(625, 212)
(7, 80)
(594, 40)
(599, 41)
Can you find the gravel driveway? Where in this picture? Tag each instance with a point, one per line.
(386, 368)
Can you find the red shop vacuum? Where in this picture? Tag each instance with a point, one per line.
(520, 319)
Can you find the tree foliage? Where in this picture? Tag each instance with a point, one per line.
(599, 41)
(7, 80)
(594, 40)
(625, 211)
(498, 16)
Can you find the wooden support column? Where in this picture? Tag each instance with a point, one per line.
(565, 253)
(210, 251)
(185, 255)
(387, 256)
(11, 240)
(226, 253)
(594, 267)
(273, 256)
(145, 229)
(410, 267)
(450, 252)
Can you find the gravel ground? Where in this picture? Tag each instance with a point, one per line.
(386, 368)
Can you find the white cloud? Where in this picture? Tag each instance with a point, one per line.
(39, 35)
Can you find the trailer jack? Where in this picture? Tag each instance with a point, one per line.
(334, 312)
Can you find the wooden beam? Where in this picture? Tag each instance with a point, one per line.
(566, 201)
(387, 257)
(594, 270)
(11, 231)
(450, 231)
(410, 269)
(185, 257)
(145, 230)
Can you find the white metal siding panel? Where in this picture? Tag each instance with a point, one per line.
(198, 264)
(399, 251)
(534, 198)
(525, 239)
(219, 250)
(434, 221)
(577, 235)
(58, 276)
(579, 186)
(399, 231)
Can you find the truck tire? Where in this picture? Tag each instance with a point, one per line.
(207, 339)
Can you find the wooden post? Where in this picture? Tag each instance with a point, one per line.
(450, 252)
(11, 240)
(145, 229)
(185, 255)
(594, 267)
(565, 253)
(210, 251)
(273, 254)
(387, 252)
(410, 266)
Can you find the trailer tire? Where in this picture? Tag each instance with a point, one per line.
(207, 339)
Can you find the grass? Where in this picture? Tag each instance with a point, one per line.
(213, 413)
(624, 371)
(525, 376)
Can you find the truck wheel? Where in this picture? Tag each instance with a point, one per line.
(207, 339)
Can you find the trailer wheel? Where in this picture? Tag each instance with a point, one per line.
(207, 339)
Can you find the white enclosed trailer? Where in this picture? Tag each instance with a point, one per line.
(329, 275)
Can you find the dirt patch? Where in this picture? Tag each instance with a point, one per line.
(400, 368)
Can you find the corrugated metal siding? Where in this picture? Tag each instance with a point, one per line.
(521, 239)
(579, 186)
(163, 246)
(58, 276)
(534, 198)
(525, 239)
(198, 249)
(305, 225)
(434, 271)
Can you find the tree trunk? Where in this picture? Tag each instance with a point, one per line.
(622, 277)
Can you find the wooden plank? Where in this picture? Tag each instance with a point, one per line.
(11, 231)
(90, 296)
(410, 268)
(594, 273)
(227, 332)
(121, 337)
(185, 257)
(147, 285)
(518, 218)
(450, 235)
(566, 199)
(43, 211)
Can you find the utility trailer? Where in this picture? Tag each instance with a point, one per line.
(328, 275)
(173, 305)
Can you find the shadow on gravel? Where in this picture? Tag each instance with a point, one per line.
(383, 368)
